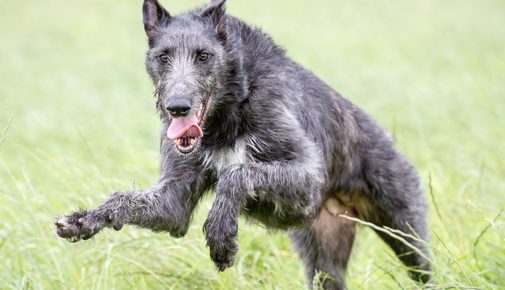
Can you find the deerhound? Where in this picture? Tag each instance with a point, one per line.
(274, 142)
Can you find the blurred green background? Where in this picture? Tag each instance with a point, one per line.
(77, 121)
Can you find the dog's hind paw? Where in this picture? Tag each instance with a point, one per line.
(77, 226)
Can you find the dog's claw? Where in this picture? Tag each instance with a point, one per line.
(117, 227)
(73, 239)
(223, 266)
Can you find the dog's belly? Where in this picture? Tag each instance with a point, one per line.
(273, 214)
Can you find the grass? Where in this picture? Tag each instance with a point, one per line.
(77, 122)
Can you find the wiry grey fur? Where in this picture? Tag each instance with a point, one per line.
(279, 146)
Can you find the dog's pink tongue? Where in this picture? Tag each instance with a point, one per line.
(181, 125)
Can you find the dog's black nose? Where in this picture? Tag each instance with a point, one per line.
(178, 107)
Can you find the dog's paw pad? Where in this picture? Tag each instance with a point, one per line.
(74, 227)
(65, 229)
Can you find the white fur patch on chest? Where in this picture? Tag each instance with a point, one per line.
(223, 158)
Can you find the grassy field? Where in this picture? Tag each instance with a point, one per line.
(77, 122)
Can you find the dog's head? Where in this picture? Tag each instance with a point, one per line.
(185, 60)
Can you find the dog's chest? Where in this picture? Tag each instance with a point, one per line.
(225, 157)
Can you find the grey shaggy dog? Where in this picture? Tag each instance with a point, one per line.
(274, 142)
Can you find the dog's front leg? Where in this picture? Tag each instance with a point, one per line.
(165, 207)
(290, 182)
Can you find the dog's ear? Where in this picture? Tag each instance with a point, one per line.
(154, 16)
(215, 10)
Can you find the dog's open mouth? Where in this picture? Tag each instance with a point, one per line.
(187, 131)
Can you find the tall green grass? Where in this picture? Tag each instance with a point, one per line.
(77, 122)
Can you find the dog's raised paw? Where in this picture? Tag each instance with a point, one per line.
(75, 227)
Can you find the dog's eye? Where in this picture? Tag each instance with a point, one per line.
(163, 58)
(204, 56)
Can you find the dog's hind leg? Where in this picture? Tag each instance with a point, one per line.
(395, 201)
(325, 245)
(410, 244)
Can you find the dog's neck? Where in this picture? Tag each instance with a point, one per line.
(227, 122)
